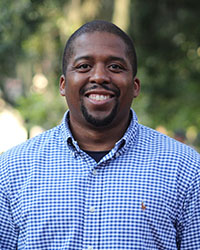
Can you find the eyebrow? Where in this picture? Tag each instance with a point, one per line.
(110, 58)
(116, 58)
(82, 57)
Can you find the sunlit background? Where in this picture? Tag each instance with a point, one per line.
(32, 37)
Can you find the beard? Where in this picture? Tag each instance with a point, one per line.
(99, 122)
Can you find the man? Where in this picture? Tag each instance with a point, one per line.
(100, 180)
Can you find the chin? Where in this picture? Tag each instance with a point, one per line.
(99, 122)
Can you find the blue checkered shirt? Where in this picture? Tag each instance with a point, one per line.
(142, 195)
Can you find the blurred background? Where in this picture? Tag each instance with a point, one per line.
(33, 33)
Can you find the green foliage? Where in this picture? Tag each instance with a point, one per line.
(18, 19)
(167, 37)
(34, 110)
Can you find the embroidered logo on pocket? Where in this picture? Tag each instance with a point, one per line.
(143, 206)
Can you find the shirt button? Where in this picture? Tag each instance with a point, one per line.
(92, 209)
(94, 172)
(74, 154)
(90, 248)
(117, 154)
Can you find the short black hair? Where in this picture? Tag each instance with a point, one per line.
(101, 26)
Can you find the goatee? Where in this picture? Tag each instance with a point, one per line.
(99, 122)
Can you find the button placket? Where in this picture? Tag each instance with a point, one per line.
(92, 208)
(91, 219)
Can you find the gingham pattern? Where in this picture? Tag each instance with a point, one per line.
(143, 195)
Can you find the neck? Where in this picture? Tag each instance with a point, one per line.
(98, 139)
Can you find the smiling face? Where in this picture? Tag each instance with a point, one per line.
(98, 84)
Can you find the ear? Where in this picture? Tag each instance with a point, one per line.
(62, 85)
(136, 87)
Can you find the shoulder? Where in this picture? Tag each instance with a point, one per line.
(162, 143)
(168, 150)
(177, 163)
(34, 144)
(26, 153)
(24, 160)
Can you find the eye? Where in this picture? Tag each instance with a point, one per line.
(84, 67)
(116, 67)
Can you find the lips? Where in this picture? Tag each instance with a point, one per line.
(102, 92)
(99, 97)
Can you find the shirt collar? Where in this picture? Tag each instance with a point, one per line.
(131, 133)
(128, 138)
(66, 132)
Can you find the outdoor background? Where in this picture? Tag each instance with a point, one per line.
(33, 33)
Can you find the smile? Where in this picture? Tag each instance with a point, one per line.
(98, 97)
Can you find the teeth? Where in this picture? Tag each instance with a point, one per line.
(99, 97)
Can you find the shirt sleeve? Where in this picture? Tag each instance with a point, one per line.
(190, 235)
(8, 231)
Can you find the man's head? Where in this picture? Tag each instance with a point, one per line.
(98, 78)
(100, 26)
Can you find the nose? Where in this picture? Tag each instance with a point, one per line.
(99, 74)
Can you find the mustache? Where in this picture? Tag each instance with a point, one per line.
(101, 86)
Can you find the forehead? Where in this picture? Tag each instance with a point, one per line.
(99, 43)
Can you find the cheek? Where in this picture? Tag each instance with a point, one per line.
(127, 89)
(72, 96)
(75, 83)
(127, 95)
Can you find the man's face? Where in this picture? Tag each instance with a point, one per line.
(98, 84)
